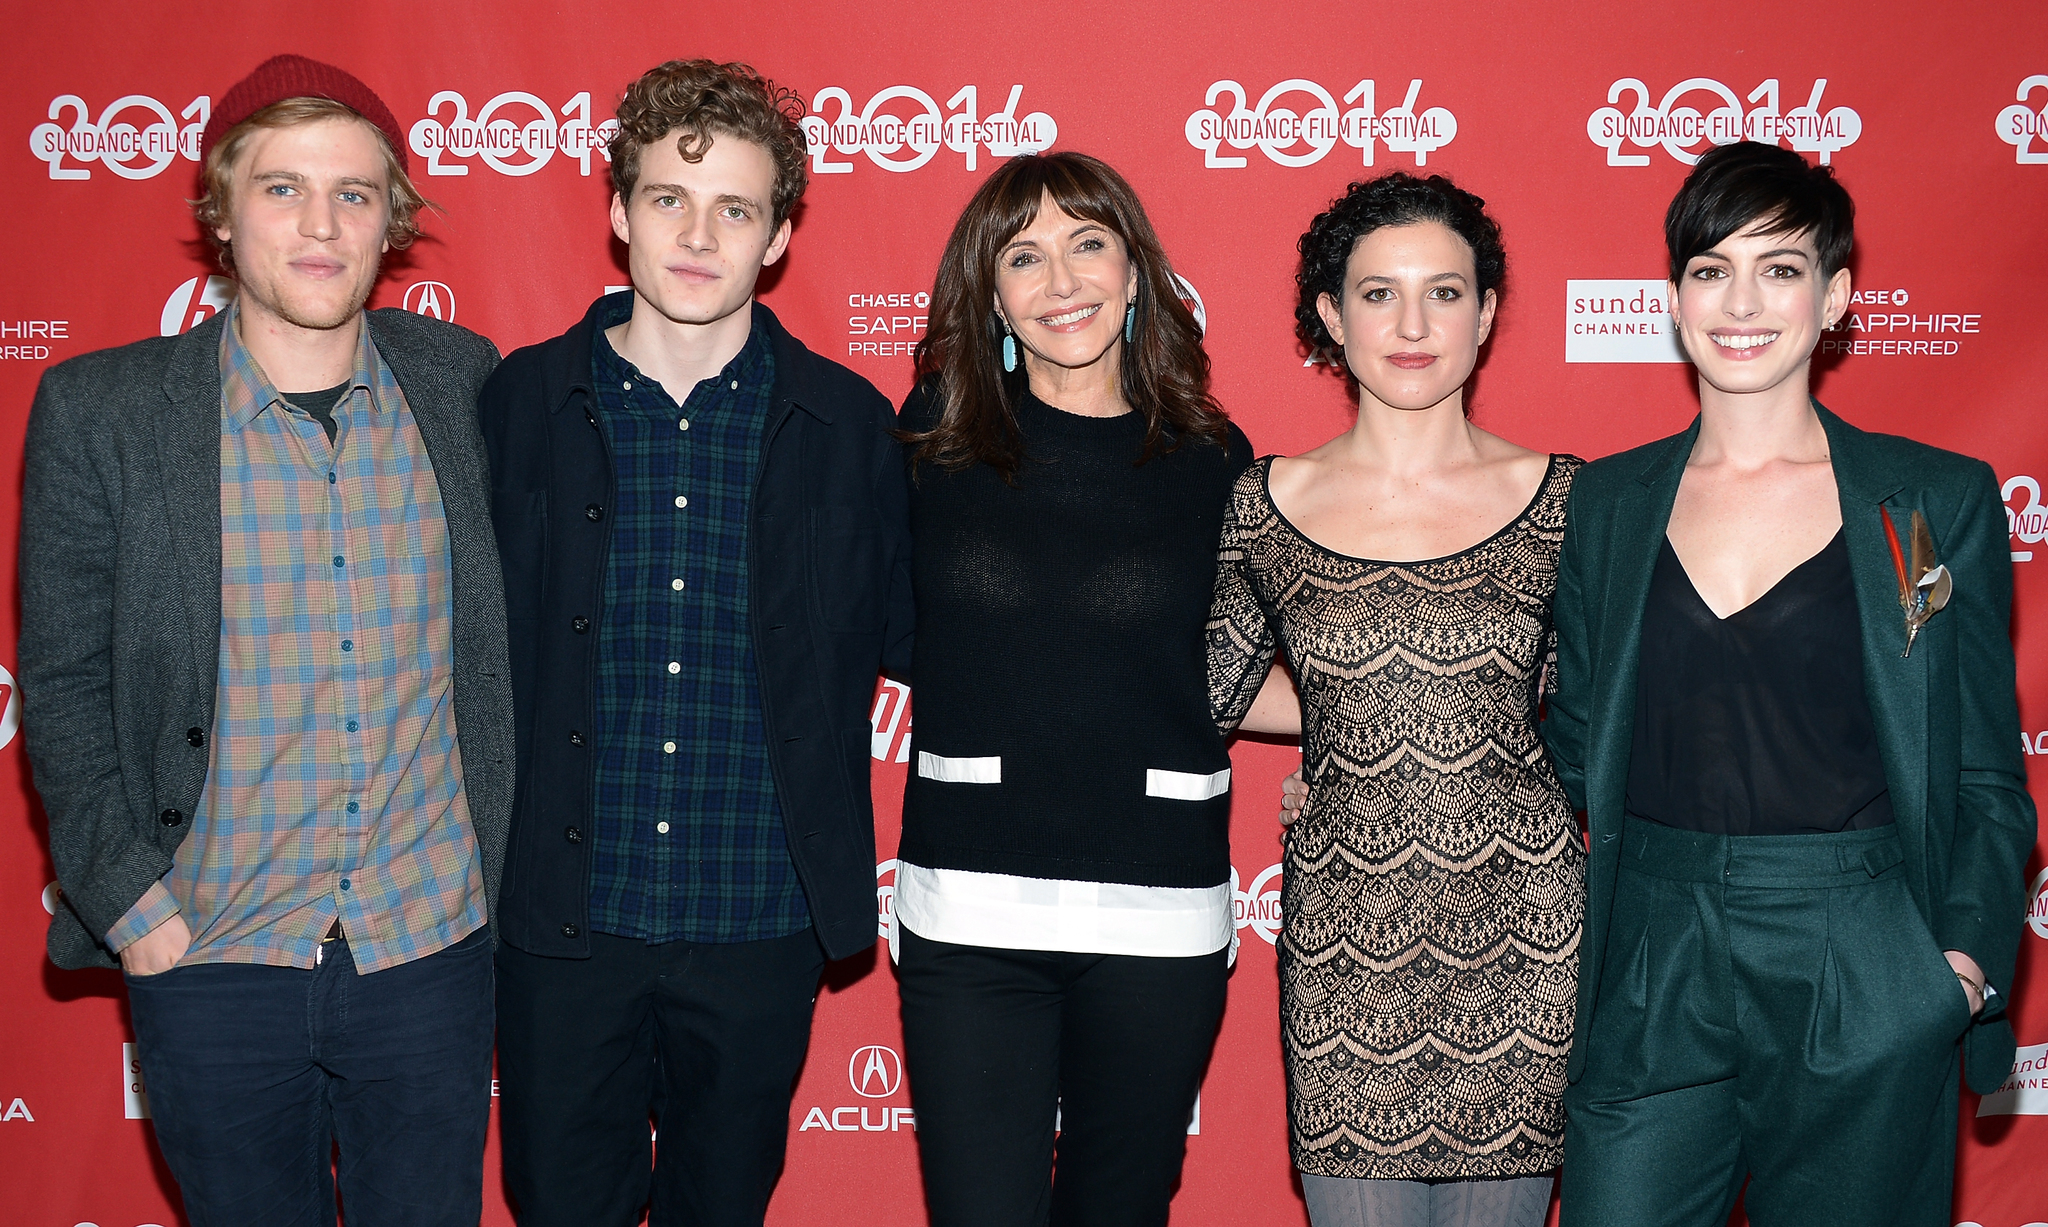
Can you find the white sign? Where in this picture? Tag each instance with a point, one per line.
(2025, 1091)
(1610, 320)
(134, 1095)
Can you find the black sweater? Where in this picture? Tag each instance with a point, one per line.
(1060, 628)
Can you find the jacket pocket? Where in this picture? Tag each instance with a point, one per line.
(849, 570)
(520, 519)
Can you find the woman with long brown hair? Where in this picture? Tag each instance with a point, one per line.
(1063, 909)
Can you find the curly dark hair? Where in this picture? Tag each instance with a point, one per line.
(1165, 373)
(698, 100)
(1393, 199)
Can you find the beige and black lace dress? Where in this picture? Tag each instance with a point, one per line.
(1434, 888)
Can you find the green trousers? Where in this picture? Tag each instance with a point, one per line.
(1771, 1008)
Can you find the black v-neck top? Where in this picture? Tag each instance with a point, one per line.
(1756, 724)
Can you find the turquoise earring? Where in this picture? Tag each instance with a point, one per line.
(1130, 322)
(1009, 350)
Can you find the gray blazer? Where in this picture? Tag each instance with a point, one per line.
(120, 596)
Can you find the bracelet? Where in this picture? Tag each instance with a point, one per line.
(1970, 984)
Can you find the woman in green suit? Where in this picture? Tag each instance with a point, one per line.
(1785, 700)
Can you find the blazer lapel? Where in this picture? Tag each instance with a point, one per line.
(1637, 539)
(1894, 685)
(447, 426)
(188, 456)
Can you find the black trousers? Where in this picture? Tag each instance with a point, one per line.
(256, 1073)
(998, 1041)
(703, 1040)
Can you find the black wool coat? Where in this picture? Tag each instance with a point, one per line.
(829, 607)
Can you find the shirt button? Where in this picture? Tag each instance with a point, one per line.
(348, 645)
(337, 560)
(661, 827)
(668, 747)
(628, 385)
(352, 726)
(675, 667)
(593, 512)
(572, 834)
(170, 817)
(344, 883)
(330, 478)
(681, 502)
(353, 807)
(570, 931)
(676, 584)
(683, 424)
(195, 736)
(575, 738)
(735, 385)
(579, 624)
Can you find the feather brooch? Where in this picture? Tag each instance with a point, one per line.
(1924, 583)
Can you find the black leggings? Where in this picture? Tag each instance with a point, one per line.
(997, 1041)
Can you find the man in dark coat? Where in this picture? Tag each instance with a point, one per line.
(263, 658)
(705, 541)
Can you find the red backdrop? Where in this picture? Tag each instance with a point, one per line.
(1575, 121)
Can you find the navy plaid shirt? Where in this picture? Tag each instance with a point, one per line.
(689, 842)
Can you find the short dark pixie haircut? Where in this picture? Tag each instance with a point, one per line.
(1735, 186)
(1393, 199)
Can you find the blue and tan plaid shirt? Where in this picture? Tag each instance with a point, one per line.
(689, 842)
(333, 789)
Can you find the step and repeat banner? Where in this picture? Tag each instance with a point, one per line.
(1236, 123)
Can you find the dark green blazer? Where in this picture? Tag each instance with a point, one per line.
(1947, 716)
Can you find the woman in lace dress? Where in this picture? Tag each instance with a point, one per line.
(1434, 889)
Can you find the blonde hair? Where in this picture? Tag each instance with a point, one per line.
(214, 209)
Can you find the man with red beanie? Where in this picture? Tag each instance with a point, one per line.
(263, 656)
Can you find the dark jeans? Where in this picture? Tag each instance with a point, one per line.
(998, 1040)
(706, 1040)
(1771, 1007)
(255, 1073)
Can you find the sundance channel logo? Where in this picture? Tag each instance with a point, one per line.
(2024, 1091)
(1622, 320)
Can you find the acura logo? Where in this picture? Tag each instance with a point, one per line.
(431, 298)
(875, 1071)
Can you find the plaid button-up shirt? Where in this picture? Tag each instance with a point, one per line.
(689, 842)
(333, 789)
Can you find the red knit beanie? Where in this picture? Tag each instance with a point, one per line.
(294, 76)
